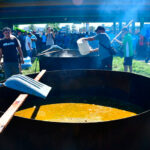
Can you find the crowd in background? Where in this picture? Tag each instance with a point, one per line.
(31, 43)
(141, 43)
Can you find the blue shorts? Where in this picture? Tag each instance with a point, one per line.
(29, 53)
(106, 63)
(128, 61)
(11, 68)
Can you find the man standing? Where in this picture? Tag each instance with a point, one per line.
(34, 39)
(148, 49)
(10, 47)
(28, 44)
(43, 41)
(20, 37)
(104, 45)
(128, 49)
(50, 36)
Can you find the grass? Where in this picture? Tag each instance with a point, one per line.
(139, 67)
(35, 68)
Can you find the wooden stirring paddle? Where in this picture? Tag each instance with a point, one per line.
(9, 113)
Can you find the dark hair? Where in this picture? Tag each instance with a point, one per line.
(6, 29)
(100, 28)
(29, 33)
(48, 28)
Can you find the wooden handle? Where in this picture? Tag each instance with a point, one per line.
(120, 32)
(9, 113)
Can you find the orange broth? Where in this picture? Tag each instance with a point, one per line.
(75, 113)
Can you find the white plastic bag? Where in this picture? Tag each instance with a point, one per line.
(83, 46)
(27, 63)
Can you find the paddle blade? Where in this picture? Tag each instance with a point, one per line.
(27, 85)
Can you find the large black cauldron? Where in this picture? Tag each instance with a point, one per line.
(85, 86)
(68, 59)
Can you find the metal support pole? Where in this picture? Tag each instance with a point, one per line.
(133, 27)
(120, 26)
(114, 27)
(141, 23)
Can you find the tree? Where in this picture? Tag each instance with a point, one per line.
(74, 29)
(54, 26)
(82, 30)
(32, 27)
(91, 29)
(16, 26)
(67, 29)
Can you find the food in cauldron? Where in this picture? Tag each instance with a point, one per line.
(111, 89)
(75, 112)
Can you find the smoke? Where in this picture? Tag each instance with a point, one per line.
(77, 2)
(123, 10)
(135, 10)
(66, 54)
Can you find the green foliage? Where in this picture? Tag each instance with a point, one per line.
(91, 28)
(32, 27)
(67, 29)
(73, 28)
(139, 67)
(35, 68)
(16, 28)
(118, 64)
(54, 26)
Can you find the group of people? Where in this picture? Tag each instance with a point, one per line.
(11, 48)
(105, 46)
(30, 41)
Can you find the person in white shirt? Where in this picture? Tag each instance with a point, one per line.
(28, 45)
(50, 36)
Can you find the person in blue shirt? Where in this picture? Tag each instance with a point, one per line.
(148, 50)
(43, 41)
(104, 44)
(34, 39)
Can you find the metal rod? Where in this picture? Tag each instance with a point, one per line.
(120, 32)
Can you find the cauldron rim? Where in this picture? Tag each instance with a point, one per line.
(80, 56)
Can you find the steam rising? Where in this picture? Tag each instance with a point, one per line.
(66, 54)
(77, 2)
(127, 9)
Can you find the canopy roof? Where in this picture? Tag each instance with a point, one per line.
(43, 11)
